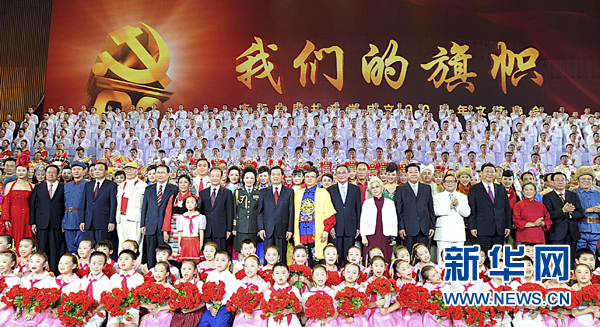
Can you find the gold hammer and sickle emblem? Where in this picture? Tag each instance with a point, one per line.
(155, 60)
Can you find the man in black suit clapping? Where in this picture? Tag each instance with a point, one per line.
(491, 217)
(216, 203)
(47, 208)
(97, 218)
(276, 213)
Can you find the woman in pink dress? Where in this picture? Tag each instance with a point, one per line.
(15, 216)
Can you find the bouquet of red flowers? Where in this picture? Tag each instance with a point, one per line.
(3, 286)
(83, 271)
(45, 297)
(502, 308)
(319, 306)
(240, 274)
(533, 287)
(414, 297)
(74, 308)
(266, 275)
(279, 301)
(245, 299)
(351, 301)
(21, 298)
(108, 270)
(148, 277)
(202, 276)
(595, 279)
(117, 301)
(300, 270)
(589, 295)
(476, 316)
(213, 292)
(185, 296)
(150, 293)
(382, 286)
(439, 307)
(333, 278)
(362, 278)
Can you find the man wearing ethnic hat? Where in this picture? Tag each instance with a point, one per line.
(130, 196)
(589, 226)
(73, 197)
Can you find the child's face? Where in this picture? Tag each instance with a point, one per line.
(405, 270)
(6, 264)
(376, 252)
(482, 257)
(351, 274)
(3, 244)
(529, 251)
(330, 255)
(187, 271)
(37, 264)
(354, 256)
(248, 250)
(434, 277)
(528, 269)
(272, 256)
(582, 275)
(300, 257)
(125, 262)
(423, 254)
(105, 250)
(190, 204)
(280, 275)
(403, 255)
(221, 262)
(586, 259)
(209, 253)
(250, 267)
(129, 246)
(26, 248)
(84, 250)
(66, 265)
(378, 268)
(97, 264)
(320, 277)
(162, 256)
(160, 274)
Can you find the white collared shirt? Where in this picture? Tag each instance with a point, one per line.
(99, 183)
(158, 187)
(54, 186)
(278, 188)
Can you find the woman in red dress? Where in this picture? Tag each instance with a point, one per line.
(15, 213)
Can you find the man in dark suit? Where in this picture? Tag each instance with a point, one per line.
(491, 217)
(216, 203)
(565, 211)
(46, 210)
(346, 199)
(414, 207)
(98, 207)
(154, 206)
(276, 213)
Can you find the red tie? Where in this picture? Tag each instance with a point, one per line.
(124, 280)
(50, 191)
(89, 291)
(201, 186)
(562, 198)
(276, 195)
(159, 195)
(96, 189)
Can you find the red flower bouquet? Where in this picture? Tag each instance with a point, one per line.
(534, 287)
(74, 308)
(213, 292)
(21, 298)
(185, 296)
(245, 299)
(83, 271)
(362, 278)
(333, 278)
(150, 293)
(267, 275)
(279, 301)
(502, 308)
(351, 301)
(117, 301)
(589, 295)
(476, 316)
(45, 297)
(319, 306)
(382, 286)
(439, 307)
(414, 297)
(148, 277)
(202, 276)
(240, 274)
(108, 270)
(3, 286)
(300, 270)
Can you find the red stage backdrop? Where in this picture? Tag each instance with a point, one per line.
(235, 52)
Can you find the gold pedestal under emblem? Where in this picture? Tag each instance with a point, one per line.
(130, 70)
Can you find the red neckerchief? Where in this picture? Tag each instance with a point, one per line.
(35, 281)
(89, 291)
(61, 283)
(125, 276)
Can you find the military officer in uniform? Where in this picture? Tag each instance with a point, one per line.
(245, 225)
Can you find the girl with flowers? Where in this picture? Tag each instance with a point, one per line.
(433, 281)
(330, 255)
(216, 314)
(8, 279)
(84, 251)
(190, 226)
(94, 284)
(190, 316)
(244, 319)
(271, 258)
(126, 278)
(557, 316)
(584, 315)
(422, 258)
(379, 299)
(158, 315)
(323, 307)
(496, 284)
(27, 247)
(208, 265)
(351, 275)
(403, 272)
(281, 273)
(38, 278)
(355, 256)
(526, 316)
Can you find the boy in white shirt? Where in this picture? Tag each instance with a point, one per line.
(94, 284)
(220, 317)
(127, 277)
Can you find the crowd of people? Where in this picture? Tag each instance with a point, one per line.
(220, 191)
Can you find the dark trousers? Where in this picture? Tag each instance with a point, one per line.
(280, 243)
(48, 241)
(488, 241)
(410, 241)
(571, 242)
(103, 234)
(152, 242)
(343, 244)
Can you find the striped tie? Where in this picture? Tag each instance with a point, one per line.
(159, 195)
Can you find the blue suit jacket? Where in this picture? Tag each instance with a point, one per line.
(153, 214)
(415, 213)
(486, 217)
(97, 212)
